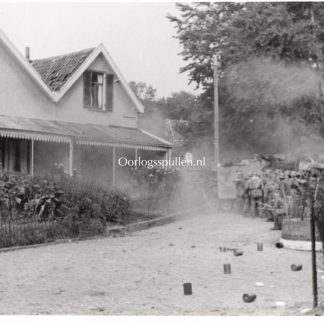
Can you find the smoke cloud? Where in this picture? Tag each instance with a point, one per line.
(282, 94)
(272, 82)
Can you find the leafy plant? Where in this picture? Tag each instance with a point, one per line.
(35, 209)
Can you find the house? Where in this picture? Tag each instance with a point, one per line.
(75, 109)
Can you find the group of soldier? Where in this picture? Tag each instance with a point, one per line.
(278, 194)
(271, 194)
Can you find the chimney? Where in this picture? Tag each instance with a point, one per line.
(27, 53)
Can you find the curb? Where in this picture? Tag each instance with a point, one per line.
(111, 231)
(150, 223)
(23, 247)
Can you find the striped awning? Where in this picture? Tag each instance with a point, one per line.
(83, 134)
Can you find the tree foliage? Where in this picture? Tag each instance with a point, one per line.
(143, 91)
(178, 106)
(270, 63)
(236, 31)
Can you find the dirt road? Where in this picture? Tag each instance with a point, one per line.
(143, 274)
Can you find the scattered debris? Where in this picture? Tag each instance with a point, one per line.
(170, 244)
(259, 284)
(227, 268)
(305, 310)
(59, 291)
(193, 246)
(249, 298)
(237, 252)
(295, 267)
(226, 249)
(187, 288)
(96, 293)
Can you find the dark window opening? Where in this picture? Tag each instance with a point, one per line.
(98, 90)
(97, 85)
(17, 158)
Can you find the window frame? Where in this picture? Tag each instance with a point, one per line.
(104, 108)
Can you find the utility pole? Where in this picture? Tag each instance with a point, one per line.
(314, 198)
(216, 113)
(313, 241)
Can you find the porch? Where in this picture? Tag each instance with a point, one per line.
(33, 146)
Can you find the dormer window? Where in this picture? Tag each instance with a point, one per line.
(98, 91)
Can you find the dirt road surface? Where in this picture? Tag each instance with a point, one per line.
(143, 274)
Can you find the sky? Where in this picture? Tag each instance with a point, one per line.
(137, 35)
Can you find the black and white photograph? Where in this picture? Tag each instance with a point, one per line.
(161, 160)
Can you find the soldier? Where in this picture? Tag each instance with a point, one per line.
(279, 211)
(305, 205)
(287, 183)
(247, 195)
(269, 191)
(256, 194)
(282, 189)
(296, 193)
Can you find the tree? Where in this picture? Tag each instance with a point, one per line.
(143, 91)
(265, 49)
(179, 105)
(236, 31)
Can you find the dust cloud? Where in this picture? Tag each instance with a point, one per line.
(285, 96)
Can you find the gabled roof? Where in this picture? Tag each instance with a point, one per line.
(60, 78)
(56, 70)
(26, 66)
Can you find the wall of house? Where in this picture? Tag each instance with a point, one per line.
(19, 95)
(47, 154)
(70, 107)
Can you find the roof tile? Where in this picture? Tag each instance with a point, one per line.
(56, 70)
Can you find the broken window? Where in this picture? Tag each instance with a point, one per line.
(98, 90)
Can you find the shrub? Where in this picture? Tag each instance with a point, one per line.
(56, 207)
